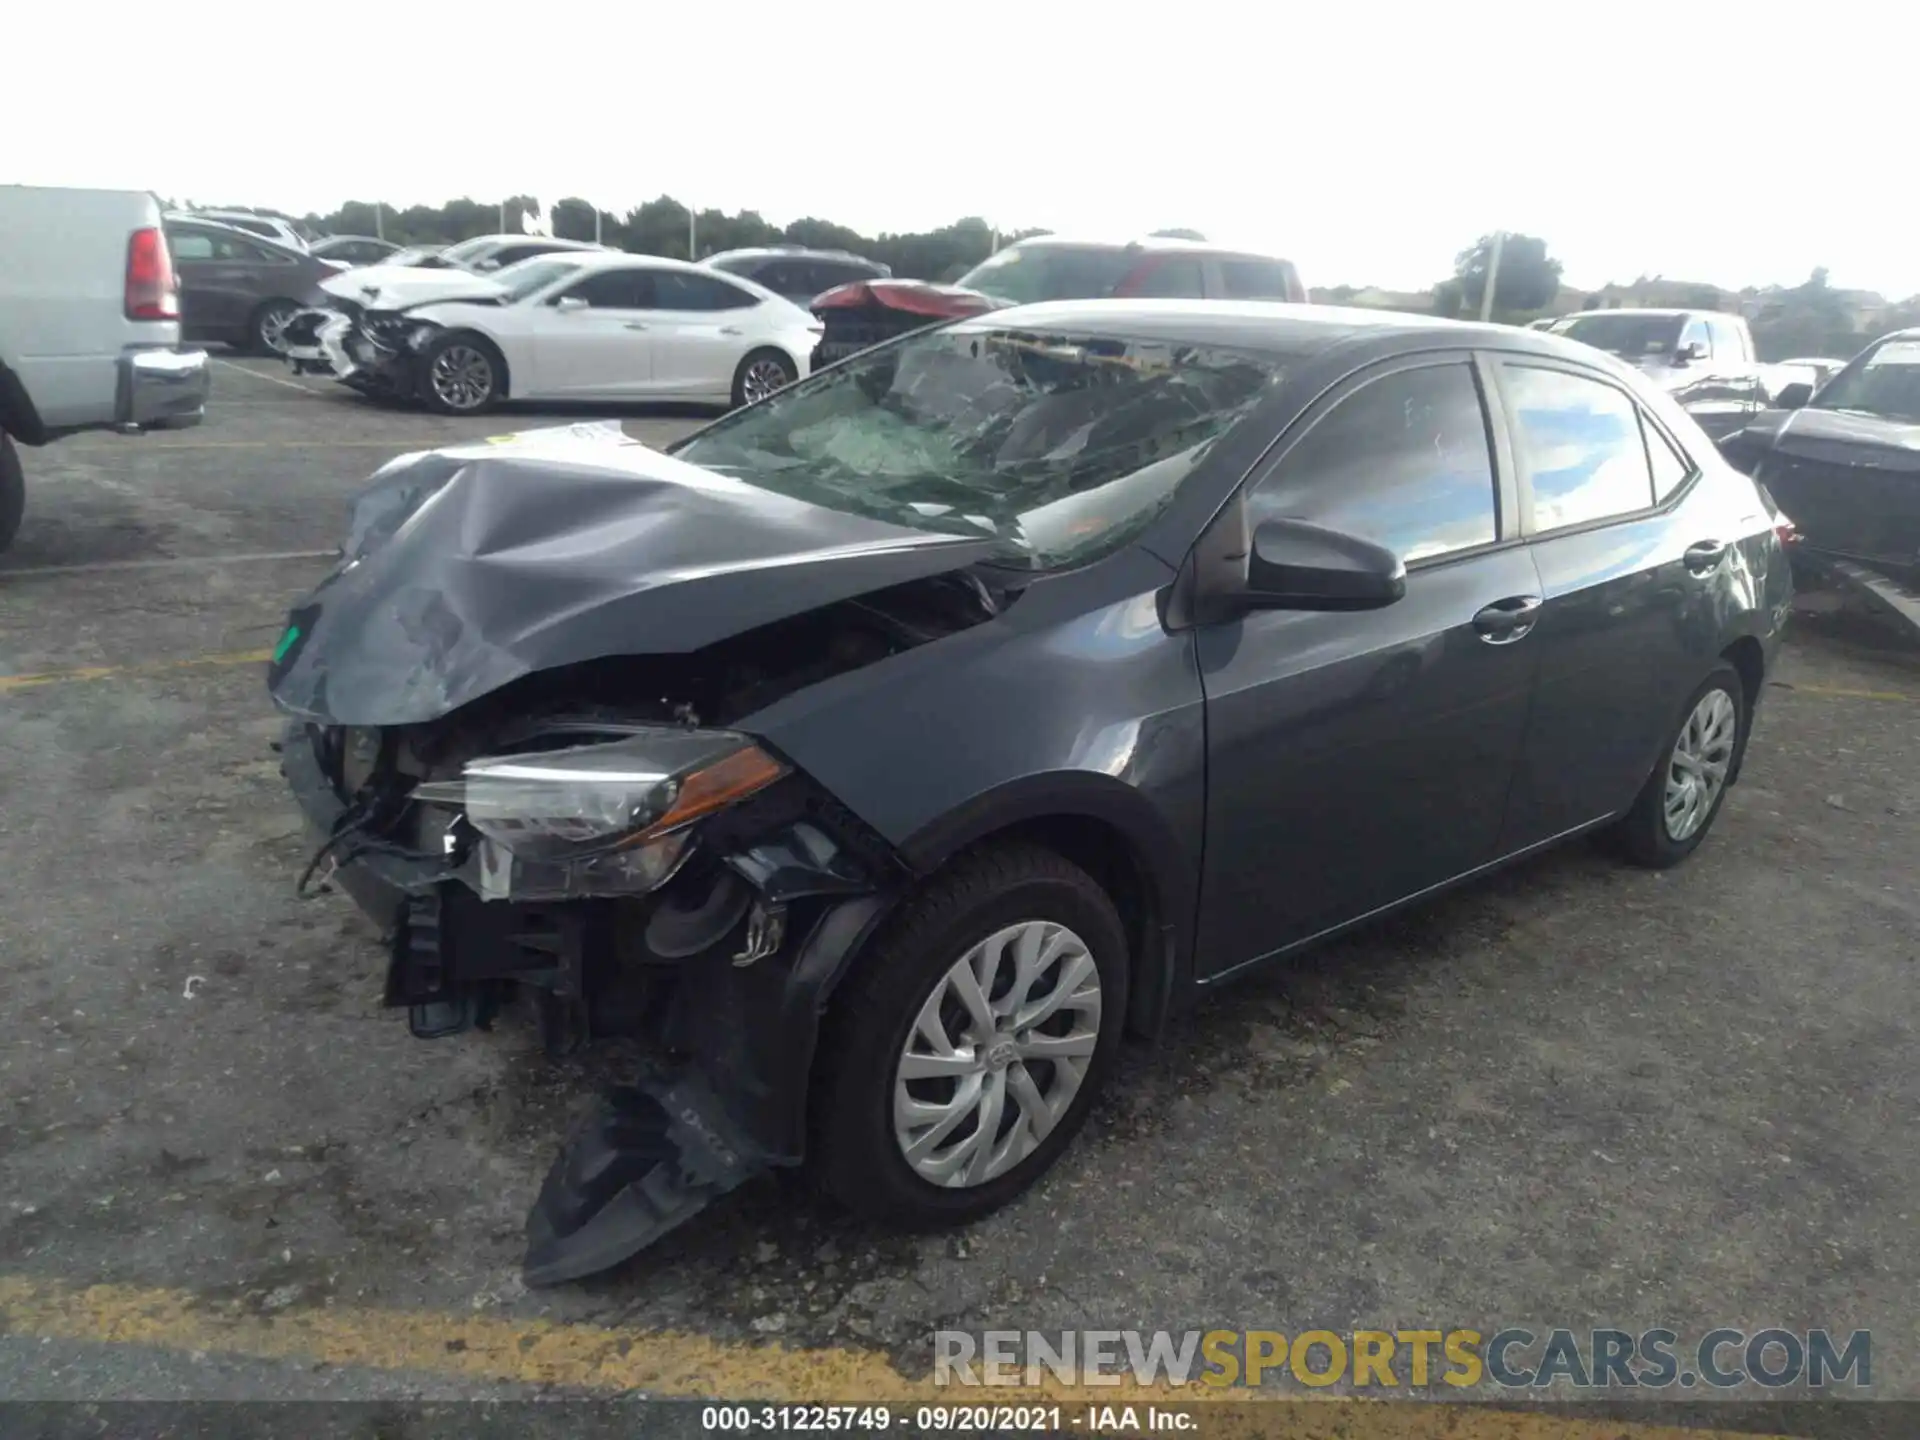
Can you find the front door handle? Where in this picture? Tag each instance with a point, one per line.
(1705, 556)
(636, 325)
(1505, 621)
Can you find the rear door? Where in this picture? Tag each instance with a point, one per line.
(1354, 759)
(1628, 621)
(602, 351)
(699, 333)
(1746, 395)
(220, 280)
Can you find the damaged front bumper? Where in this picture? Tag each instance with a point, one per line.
(728, 966)
(368, 350)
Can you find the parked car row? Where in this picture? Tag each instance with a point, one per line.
(487, 320)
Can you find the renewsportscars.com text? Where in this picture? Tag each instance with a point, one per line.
(1515, 1359)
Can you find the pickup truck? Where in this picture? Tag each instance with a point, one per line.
(89, 325)
(1704, 359)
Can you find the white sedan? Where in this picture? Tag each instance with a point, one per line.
(584, 325)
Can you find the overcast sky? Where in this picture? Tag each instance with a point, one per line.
(1368, 142)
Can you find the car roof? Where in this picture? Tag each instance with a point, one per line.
(788, 252)
(201, 218)
(603, 259)
(1659, 311)
(1147, 244)
(1265, 325)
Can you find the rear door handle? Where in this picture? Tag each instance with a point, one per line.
(635, 325)
(1505, 621)
(729, 329)
(1705, 555)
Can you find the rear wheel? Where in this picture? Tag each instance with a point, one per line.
(965, 1052)
(1682, 797)
(13, 492)
(269, 328)
(460, 375)
(760, 374)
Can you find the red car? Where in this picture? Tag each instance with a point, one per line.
(1048, 267)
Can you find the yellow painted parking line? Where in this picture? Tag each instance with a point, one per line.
(1841, 692)
(143, 446)
(670, 1364)
(10, 683)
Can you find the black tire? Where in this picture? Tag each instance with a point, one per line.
(13, 492)
(854, 1155)
(495, 380)
(1642, 835)
(759, 366)
(263, 318)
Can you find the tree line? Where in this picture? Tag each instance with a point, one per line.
(1811, 318)
(665, 227)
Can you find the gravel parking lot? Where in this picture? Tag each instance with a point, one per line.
(1577, 1094)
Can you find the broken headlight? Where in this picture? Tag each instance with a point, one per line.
(610, 819)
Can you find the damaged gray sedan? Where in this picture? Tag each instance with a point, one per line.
(887, 749)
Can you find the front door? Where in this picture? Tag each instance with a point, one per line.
(599, 343)
(1355, 759)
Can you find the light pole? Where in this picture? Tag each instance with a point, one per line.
(1493, 277)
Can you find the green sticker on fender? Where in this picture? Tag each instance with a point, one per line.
(287, 642)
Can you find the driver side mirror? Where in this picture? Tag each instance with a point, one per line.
(1297, 565)
(1692, 350)
(1792, 397)
(570, 303)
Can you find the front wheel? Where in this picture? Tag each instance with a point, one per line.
(13, 492)
(760, 374)
(459, 375)
(269, 329)
(964, 1053)
(1682, 797)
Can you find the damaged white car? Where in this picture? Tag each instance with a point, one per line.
(585, 325)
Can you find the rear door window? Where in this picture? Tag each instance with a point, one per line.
(1581, 445)
(1179, 279)
(677, 290)
(1256, 279)
(1404, 461)
(1729, 339)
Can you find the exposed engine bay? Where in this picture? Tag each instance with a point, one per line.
(711, 925)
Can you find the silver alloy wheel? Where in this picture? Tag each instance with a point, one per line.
(273, 327)
(462, 377)
(1697, 772)
(997, 1054)
(763, 377)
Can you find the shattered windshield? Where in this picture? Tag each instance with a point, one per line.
(1625, 334)
(1884, 382)
(1065, 446)
(1025, 274)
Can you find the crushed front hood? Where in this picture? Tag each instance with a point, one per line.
(468, 568)
(395, 287)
